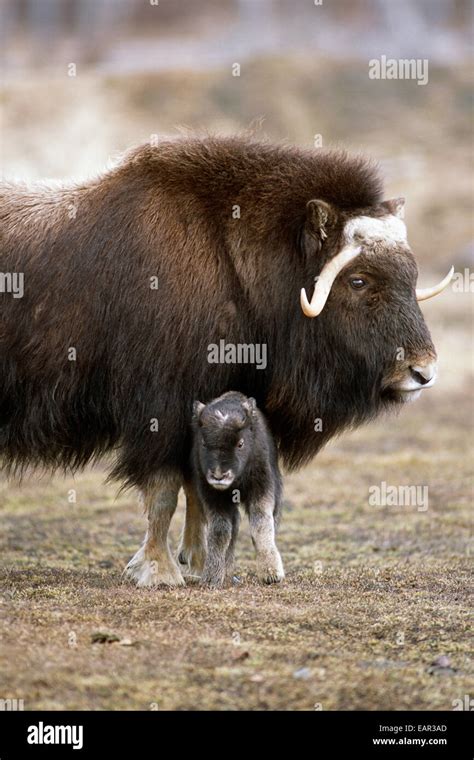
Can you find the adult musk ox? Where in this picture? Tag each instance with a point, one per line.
(129, 278)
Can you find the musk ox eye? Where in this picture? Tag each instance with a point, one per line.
(240, 444)
(357, 283)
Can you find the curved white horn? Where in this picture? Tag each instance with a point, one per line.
(423, 293)
(325, 281)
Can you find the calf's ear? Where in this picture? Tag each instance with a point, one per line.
(198, 406)
(395, 206)
(250, 406)
(320, 217)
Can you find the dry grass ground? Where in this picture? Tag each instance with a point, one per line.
(373, 595)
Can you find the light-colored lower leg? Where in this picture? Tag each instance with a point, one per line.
(262, 529)
(192, 548)
(153, 564)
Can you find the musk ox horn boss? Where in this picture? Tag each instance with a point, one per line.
(128, 279)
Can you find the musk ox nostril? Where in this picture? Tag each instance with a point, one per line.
(419, 377)
(423, 375)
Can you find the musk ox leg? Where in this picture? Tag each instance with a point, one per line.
(192, 549)
(219, 538)
(153, 564)
(262, 530)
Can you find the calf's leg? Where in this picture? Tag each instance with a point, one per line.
(262, 530)
(219, 537)
(230, 553)
(192, 549)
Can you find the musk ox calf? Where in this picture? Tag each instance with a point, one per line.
(130, 281)
(234, 462)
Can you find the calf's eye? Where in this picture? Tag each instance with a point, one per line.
(240, 444)
(358, 283)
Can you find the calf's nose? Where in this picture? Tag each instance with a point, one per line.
(217, 474)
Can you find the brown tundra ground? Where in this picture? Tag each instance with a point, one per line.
(373, 595)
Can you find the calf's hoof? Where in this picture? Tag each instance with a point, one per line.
(271, 577)
(212, 580)
(271, 572)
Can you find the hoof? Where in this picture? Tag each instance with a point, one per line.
(192, 561)
(150, 573)
(212, 581)
(269, 578)
(271, 572)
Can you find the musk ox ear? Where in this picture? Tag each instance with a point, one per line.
(320, 217)
(395, 206)
(250, 406)
(197, 410)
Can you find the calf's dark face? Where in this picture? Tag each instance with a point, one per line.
(223, 443)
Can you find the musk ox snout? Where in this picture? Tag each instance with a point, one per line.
(414, 377)
(424, 375)
(418, 378)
